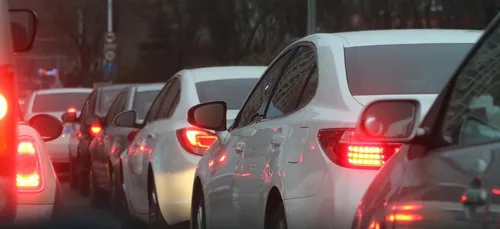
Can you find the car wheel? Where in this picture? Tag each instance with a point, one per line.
(156, 220)
(73, 175)
(84, 179)
(98, 197)
(118, 201)
(198, 216)
(278, 219)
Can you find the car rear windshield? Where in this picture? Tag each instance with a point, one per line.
(143, 101)
(58, 102)
(402, 69)
(232, 91)
(106, 98)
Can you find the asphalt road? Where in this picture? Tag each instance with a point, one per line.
(79, 214)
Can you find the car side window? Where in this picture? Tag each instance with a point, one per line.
(255, 104)
(288, 92)
(155, 107)
(472, 115)
(171, 101)
(114, 109)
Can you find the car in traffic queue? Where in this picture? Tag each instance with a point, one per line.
(446, 173)
(290, 160)
(55, 102)
(39, 193)
(105, 151)
(159, 165)
(92, 113)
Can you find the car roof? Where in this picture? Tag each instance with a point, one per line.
(64, 90)
(228, 72)
(149, 87)
(114, 87)
(401, 36)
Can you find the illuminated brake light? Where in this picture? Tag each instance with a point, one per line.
(71, 110)
(95, 129)
(346, 150)
(29, 172)
(195, 141)
(403, 217)
(4, 107)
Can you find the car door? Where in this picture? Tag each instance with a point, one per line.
(451, 177)
(137, 186)
(245, 143)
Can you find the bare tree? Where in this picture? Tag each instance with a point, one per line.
(82, 24)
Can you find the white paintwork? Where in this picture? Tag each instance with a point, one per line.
(173, 168)
(37, 205)
(316, 193)
(57, 148)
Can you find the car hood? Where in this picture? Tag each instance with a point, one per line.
(425, 100)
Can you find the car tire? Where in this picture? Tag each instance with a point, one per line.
(117, 196)
(98, 198)
(73, 175)
(198, 217)
(156, 220)
(278, 219)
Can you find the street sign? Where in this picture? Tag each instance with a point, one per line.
(109, 55)
(109, 66)
(110, 37)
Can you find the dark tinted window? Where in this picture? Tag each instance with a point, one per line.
(106, 98)
(289, 89)
(170, 101)
(58, 102)
(232, 91)
(402, 69)
(143, 101)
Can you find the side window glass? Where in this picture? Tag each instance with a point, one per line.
(286, 96)
(254, 106)
(170, 103)
(310, 89)
(473, 112)
(155, 107)
(114, 109)
(86, 111)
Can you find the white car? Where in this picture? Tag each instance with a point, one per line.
(55, 102)
(291, 159)
(159, 165)
(39, 191)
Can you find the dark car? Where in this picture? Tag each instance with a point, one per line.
(91, 116)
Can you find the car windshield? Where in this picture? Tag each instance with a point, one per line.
(106, 98)
(58, 102)
(143, 101)
(232, 91)
(402, 69)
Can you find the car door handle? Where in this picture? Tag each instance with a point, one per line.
(474, 196)
(239, 147)
(152, 136)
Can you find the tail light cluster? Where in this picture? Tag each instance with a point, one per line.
(95, 129)
(346, 150)
(195, 141)
(29, 170)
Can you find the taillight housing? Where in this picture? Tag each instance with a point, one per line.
(29, 173)
(344, 149)
(195, 140)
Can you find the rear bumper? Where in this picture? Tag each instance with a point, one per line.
(27, 214)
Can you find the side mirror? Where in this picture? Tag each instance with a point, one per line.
(48, 126)
(24, 24)
(209, 115)
(390, 120)
(125, 119)
(69, 117)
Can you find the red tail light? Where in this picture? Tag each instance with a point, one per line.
(195, 141)
(344, 149)
(71, 110)
(29, 171)
(3, 106)
(95, 129)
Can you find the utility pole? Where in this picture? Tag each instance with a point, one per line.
(109, 47)
(311, 17)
